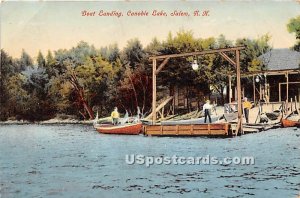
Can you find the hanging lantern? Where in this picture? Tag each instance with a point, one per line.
(195, 65)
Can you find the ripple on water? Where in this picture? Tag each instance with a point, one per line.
(76, 161)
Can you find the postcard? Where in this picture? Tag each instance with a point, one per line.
(150, 99)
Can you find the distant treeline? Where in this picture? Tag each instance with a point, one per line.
(82, 80)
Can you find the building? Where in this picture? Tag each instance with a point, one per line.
(281, 80)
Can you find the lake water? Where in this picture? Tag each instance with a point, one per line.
(76, 161)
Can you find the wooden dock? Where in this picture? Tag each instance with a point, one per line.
(255, 128)
(219, 129)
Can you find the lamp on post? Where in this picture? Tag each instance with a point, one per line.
(262, 81)
(257, 79)
(195, 65)
(260, 78)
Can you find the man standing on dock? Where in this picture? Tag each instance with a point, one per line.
(207, 108)
(247, 106)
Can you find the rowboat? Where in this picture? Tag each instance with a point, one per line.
(126, 129)
(292, 120)
(290, 123)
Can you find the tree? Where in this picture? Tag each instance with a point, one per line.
(60, 94)
(88, 74)
(133, 54)
(134, 90)
(6, 70)
(95, 76)
(79, 80)
(154, 47)
(254, 48)
(178, 71)
(133, 83)
(110, 53)
(41, 60)
(25, 61)
(50, 64)
(294, 27)
(49, 58)
(18, 96)
(37, 86)
(216, 68)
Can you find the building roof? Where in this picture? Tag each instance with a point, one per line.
(280, 59)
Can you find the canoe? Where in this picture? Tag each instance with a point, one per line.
(289, 123)
(126, 129)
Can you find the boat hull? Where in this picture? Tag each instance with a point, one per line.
(289, 123)
(130, 129)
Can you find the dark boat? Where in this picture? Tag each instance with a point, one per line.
(126, 129)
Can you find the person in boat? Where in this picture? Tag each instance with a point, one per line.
(115, 116)
(207, 110)
(246, 106)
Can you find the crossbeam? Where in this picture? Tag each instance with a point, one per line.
(161, 66)
(197, 53)
(227, 58)
(268, 72)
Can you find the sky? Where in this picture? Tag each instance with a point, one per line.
(53, 25)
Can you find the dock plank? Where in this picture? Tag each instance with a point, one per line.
(220, 129)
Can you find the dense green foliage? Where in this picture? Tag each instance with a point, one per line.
(294, 27)
(82, 80)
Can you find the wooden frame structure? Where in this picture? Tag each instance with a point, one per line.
(285, 72)
(222, 52)
(287, 84)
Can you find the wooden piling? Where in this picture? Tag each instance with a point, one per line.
(230, 90)
(154, 91)
(239, 127)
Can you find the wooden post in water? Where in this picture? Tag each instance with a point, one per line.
(253, 79)
(239, 127)
(287, 89)
(154, 91)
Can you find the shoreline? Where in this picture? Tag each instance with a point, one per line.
(47, 122)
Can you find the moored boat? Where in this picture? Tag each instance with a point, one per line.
(289, 123)
(292, 120)
(126, 129)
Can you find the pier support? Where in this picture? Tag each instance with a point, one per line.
(287, 86)
(230, 89)
(154, 91)
(254, 98)
(239, 128)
